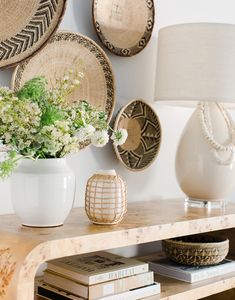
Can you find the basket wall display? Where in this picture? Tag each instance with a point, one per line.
(26, 26)
(105, 198)
(196, 250)
(124, 27)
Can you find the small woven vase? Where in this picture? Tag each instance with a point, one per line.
(105, 199)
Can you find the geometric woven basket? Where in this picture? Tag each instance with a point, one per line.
(144, 135)
(196, 250)
(105, 198)
(26, 26)
(124, 27)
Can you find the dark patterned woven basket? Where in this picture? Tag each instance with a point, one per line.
(196, 250)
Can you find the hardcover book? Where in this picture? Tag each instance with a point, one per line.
(139, 293)
(101, 289)
(190, 274)
(53, 293)
(38, 297)
(97, 267)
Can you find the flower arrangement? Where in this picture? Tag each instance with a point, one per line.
(37, 122)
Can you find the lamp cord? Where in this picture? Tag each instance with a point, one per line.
(206, 126)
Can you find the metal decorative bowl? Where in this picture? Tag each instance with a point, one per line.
(196, 250)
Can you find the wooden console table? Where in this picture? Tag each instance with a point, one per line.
(24, 249)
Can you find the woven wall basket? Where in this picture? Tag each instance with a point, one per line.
(105, 199)
(196, 250)
(144, 135)
(68, 50)
(26, 25)
(124, 27)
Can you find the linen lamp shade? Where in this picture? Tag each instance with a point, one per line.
(196, 62)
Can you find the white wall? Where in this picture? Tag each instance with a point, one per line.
(135, 79)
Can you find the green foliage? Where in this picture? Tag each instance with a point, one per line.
(51, 115)
(9, 164)
(37, 122)
(35, 90)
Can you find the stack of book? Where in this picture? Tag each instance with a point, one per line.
(99, 275)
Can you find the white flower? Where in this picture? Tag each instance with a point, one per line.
(85, 133)
(73, 114)
(80, 74)
(100, 138)
(119, 137)
(72, 147)
(66, 78)
(76, 82)
(65, 86)
(7, 137)
(62, 125)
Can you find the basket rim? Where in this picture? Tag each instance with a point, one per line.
(182, 243)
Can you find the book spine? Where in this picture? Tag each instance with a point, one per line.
(212, 272)
(161, 270)
(100, 289)
(68, 273)
(191, 275)
(135, 294)
(120, 285)
(40, 297)
(65, 284)
(54, 293)
(117, 274)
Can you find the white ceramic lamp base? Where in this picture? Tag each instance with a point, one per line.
(205, 181)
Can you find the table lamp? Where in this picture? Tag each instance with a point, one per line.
(196, 62)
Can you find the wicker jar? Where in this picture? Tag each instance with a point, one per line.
(105, 199)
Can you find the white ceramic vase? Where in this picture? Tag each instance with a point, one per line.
(43, 191)
(199, 175)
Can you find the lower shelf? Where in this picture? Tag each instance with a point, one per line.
(173, 289)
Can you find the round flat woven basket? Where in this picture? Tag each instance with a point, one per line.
(124, 26)
(28, 24)
(144, 135)
(196, 250)
(67, 50)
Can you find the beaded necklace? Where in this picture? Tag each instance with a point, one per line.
(206, 126)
